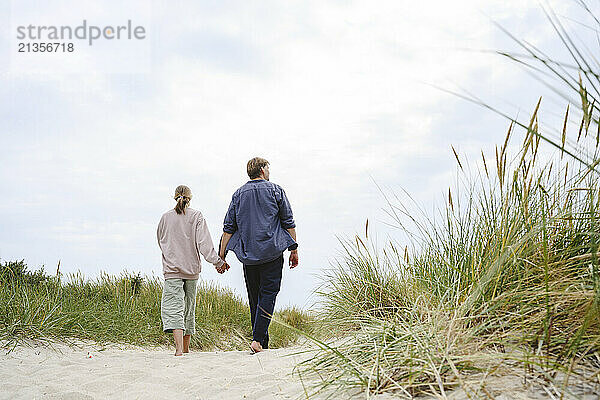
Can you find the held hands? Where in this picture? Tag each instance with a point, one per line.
(293, 259)
(223, 268)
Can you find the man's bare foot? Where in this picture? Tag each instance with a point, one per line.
(255, 347)
(178, 354)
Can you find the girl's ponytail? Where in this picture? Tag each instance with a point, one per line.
(183, 195)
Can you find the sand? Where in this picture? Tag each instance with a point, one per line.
(88, 371)
(132, 373)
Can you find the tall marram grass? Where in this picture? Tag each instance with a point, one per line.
(123, 309)
(507, 280)
(512, 275)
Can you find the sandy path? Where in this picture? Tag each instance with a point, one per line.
(130, 373)
(134, 373)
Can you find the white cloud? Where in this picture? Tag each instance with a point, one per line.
(331, 93)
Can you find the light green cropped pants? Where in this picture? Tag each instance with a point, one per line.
(178, 305)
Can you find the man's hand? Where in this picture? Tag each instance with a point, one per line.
(293, 259)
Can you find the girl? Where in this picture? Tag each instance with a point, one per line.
(182, 236)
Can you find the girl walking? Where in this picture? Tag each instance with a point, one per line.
(182, 236)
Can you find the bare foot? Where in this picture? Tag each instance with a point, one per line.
(178, 337)
(255, 347)
(186, 343)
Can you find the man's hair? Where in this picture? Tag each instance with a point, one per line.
(255, 165)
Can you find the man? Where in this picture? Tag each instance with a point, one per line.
(258, 228)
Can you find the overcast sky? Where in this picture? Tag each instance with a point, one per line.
(334, 94)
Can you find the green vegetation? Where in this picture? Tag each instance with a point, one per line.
(125, 309)
(507, 281)
(513, 276)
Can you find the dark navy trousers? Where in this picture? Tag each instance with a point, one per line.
(262, 282)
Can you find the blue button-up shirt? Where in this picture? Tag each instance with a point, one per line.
(258, 217)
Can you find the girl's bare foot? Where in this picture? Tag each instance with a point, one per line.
(255, 347)
(186, 343)
(178, 337)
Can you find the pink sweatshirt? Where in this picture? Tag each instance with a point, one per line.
(182, 238)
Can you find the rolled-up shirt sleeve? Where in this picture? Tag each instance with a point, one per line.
(205, 245)
(230, 223)
(285, 211)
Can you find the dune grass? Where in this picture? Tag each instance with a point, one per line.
(504, 280)
(123, 309)
(509, 277)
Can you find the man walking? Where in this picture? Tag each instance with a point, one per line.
(258, 228)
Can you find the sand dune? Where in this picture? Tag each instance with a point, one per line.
(132, 373)
(88, 371)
